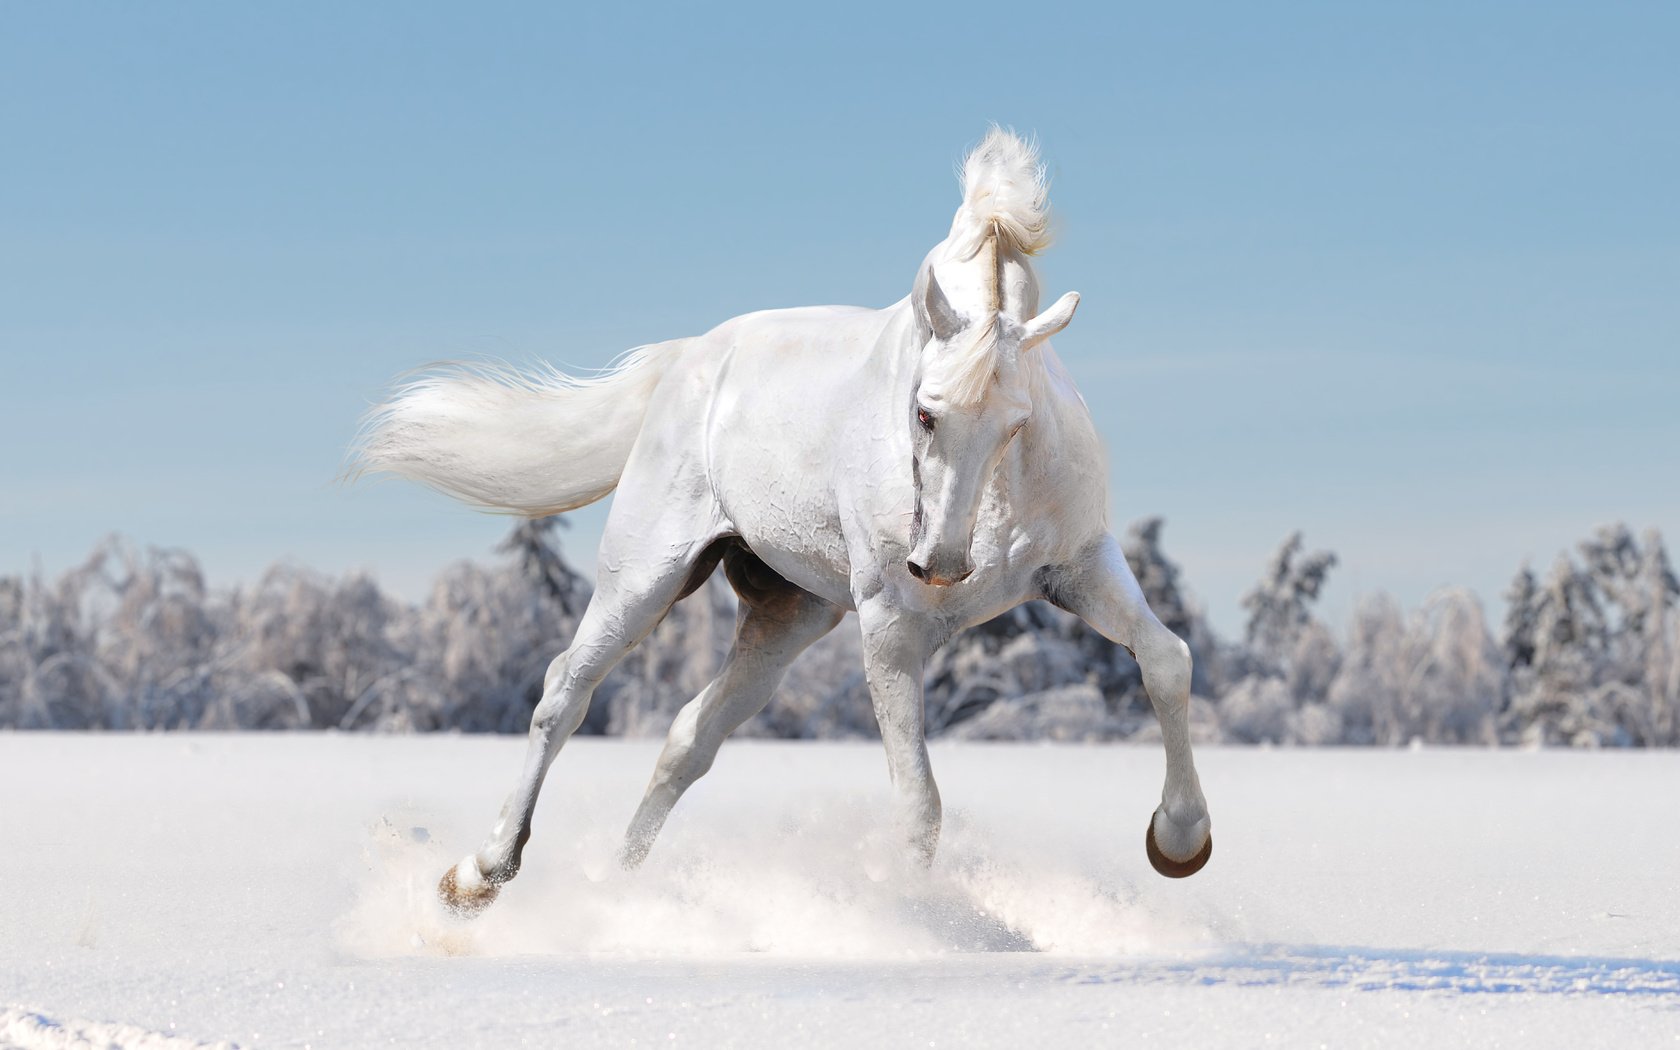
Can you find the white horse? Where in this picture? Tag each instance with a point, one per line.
(929, 465)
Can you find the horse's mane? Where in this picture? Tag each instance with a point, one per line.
(1006, 202)
(1004, 189)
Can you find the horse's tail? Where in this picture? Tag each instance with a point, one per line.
(532, 444)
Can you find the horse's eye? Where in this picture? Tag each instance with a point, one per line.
(924, 419)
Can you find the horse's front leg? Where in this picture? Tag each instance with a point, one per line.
(1100, 589)
(896, 645)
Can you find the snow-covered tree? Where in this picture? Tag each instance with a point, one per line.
(1458, 671)
(1434, 676)
(1029, 649)
(1656, 591)
(534, 544)
(134, 639)
(1522, 616)
(1289, 659)
(1570, 647)
(1591, 648)
(157, 636)
(1161, 580)
(1280, 605)
(1636, 590)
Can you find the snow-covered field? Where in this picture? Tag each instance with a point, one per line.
(270, 890)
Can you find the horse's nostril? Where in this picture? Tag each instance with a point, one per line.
(917, 571)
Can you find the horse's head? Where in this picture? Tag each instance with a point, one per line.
(978, 322)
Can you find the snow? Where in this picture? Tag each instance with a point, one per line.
(276, 890)
(28, 1030)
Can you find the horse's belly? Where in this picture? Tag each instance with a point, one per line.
(807, 569)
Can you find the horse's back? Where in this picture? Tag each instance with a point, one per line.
(791, 326)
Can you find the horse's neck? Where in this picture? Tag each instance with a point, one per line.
(889, 369)
(1057, 465)
(897, 353)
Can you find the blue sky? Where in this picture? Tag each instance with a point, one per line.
(1406, 278)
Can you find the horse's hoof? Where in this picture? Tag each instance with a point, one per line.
(465, 895)
(1174, 869)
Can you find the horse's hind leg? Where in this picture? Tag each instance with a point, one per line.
(1100, 589)
(777, 622)
(633, 593)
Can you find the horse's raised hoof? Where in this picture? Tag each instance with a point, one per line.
(466, 894)
(1174, 869)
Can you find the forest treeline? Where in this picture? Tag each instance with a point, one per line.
(1588, 655)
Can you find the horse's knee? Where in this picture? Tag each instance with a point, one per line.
(680, 767)
(551, 718)
(681, 760)
(568, 685)
(560, 713)
(555, 676)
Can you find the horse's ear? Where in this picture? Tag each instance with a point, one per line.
(940, 314)
(1050, 321)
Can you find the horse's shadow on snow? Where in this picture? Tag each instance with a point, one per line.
(959, 925)
(1383, 969)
